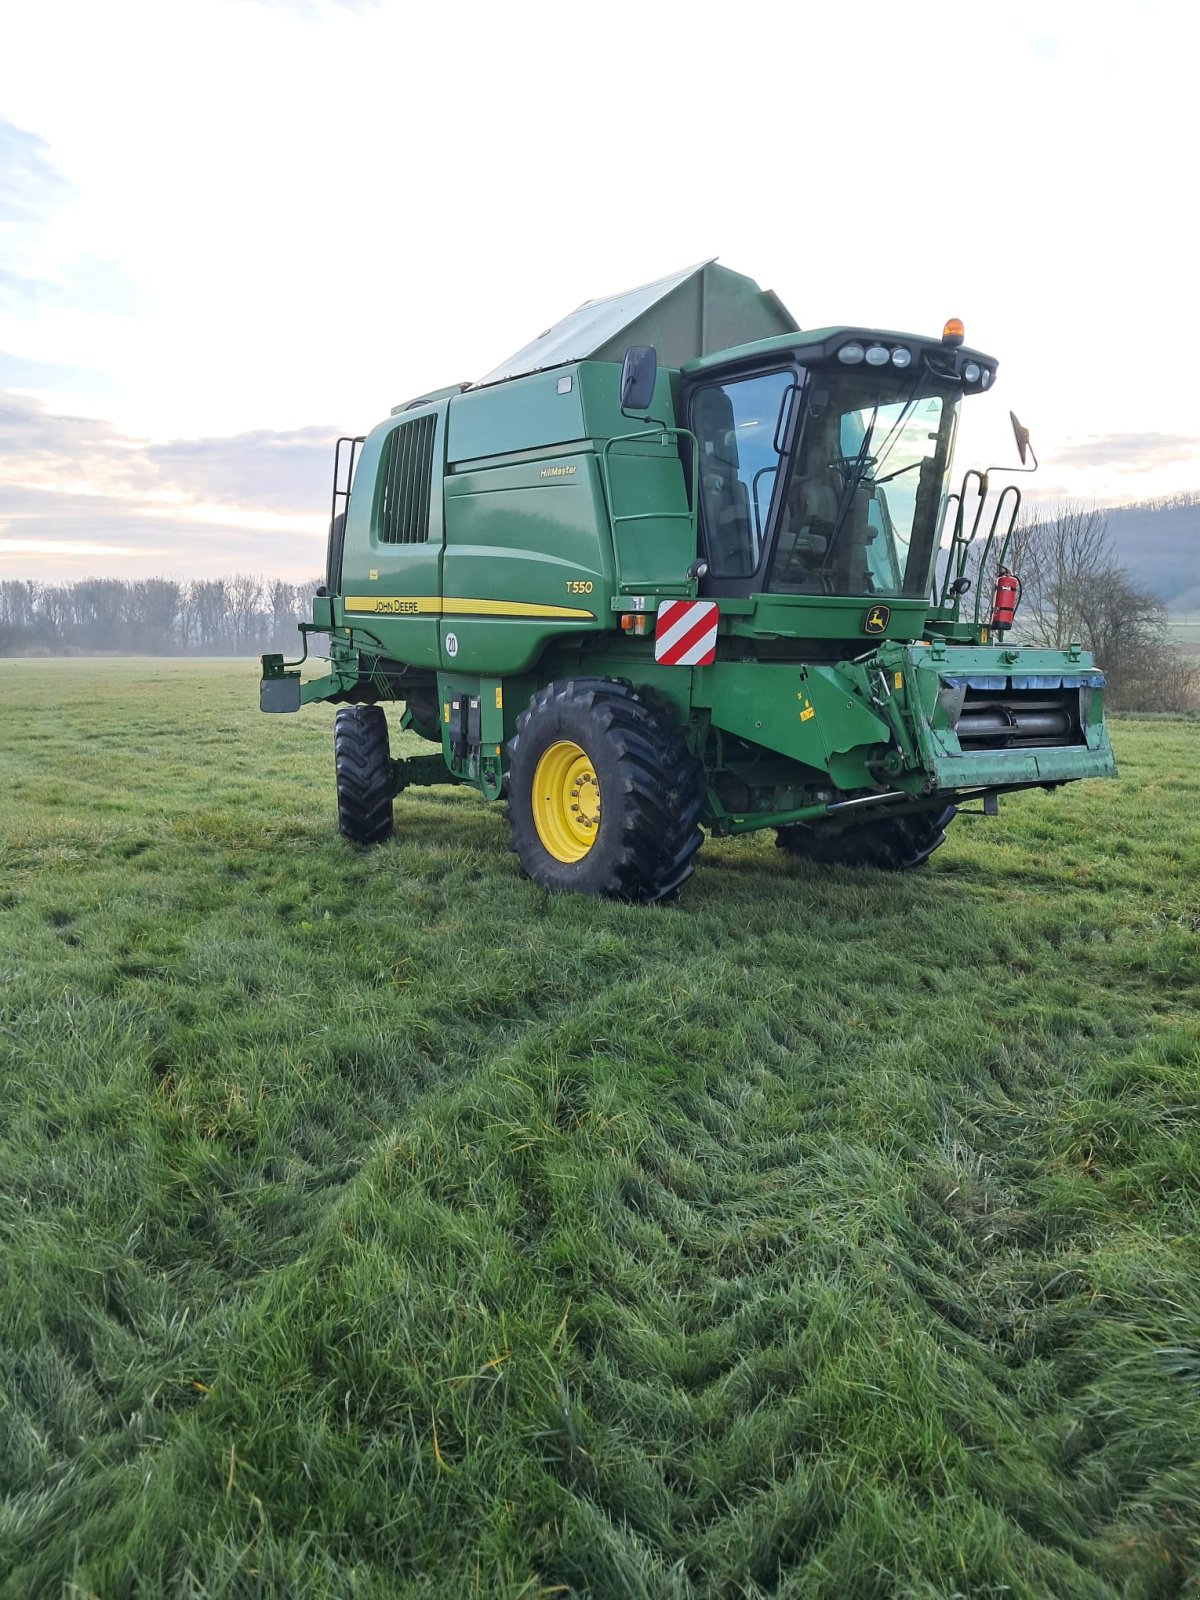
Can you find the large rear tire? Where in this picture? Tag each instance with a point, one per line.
(603, 795)
(363, 774)
(893, 844)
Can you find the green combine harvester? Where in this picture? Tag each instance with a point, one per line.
(678, 564)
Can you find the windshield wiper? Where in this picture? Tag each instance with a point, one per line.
(900, 471)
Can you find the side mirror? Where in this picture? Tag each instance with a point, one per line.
(638, 377)
(1021, 435)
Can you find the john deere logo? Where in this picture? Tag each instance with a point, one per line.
(877, 619)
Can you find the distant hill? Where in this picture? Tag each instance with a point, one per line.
(1158, 544)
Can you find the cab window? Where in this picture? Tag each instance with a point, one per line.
(737, 428)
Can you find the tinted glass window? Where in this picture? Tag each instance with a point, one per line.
(736, 426)
(866, 486)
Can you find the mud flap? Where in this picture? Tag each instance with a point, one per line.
(280, 694)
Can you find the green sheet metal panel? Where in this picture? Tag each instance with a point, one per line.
(391, 591)
(528, 560)
(712, 309)
(703, 308)
(547, 409)
(528, 414)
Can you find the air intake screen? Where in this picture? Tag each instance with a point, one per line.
(405, 475)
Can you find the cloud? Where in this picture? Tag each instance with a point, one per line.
(30, 184)
(47, 533)
(282, 472)
(273, 471)
(18, 291)
(98, 284)
(73, 488)
(18, 372)
(88, 283)
(32, 192)
(61, 547)
(41, 449)
(1130, 452)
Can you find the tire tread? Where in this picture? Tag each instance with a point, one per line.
(894, 844)
(362, 773)
(662, 789)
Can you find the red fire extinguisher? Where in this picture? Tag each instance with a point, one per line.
(1004, 606)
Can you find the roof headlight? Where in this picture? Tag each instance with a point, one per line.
(851, 354)
(901, 357)
(987, 376)
(971, 372)
(878, 355)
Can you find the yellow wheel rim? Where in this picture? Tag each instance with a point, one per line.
(566, 801)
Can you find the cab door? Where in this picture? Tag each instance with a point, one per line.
(740, 423)
(395, 536)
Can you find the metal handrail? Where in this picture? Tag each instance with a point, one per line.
(662, 433)
(1009, 489)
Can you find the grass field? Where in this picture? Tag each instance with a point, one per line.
(1185, 631)
(372, 1224)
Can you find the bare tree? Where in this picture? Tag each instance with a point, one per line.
(101, 613)
(18, 602)
(153, 608)
(207, 607)
(1058, 558)
(1072, 589)
(54, 613)
(287, 603)
(241, 613)
(243, 596)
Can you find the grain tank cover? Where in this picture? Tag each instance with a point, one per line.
(690, 314)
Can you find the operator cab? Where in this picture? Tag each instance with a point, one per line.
(824, 460)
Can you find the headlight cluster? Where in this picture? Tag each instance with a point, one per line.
(882, 355)
(875, 355)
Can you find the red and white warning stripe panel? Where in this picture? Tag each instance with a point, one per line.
(685, 634)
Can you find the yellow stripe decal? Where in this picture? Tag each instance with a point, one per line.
(508, 608)
(425, 605)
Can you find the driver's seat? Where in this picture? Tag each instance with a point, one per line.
(725, 497)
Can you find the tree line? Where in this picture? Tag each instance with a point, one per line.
(235, 615)
(1072, 588)
(1181, 500)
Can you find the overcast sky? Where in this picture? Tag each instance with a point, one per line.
(230, 229)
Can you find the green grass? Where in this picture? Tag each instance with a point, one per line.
(1184, 629)
(372, 1224)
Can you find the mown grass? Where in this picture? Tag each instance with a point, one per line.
(372, 1224)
